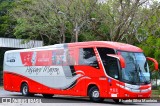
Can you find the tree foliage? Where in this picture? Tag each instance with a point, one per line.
(59, 21)
(6, 21)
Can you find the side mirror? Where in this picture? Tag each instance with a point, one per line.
(120, 58)
(154, 61)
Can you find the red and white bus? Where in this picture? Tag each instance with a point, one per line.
(98, 69)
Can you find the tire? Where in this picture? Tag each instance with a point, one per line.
(94, 94)
(47, 95)
(25, 89)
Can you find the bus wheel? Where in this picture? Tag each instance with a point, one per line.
(94, 94)
(47, 95)
(25, 89)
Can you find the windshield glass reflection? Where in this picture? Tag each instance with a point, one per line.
(136, 70)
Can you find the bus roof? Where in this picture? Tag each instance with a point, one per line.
(108, 44)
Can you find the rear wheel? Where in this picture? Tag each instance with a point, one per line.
(94, 94)
(25, 89)
(47, 95)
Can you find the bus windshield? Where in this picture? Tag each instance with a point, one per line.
(136, 70)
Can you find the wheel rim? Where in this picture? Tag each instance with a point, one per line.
(95, 94)
(25, 90)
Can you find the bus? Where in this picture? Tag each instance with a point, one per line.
(96, 69)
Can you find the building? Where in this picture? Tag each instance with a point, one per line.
(11, 44)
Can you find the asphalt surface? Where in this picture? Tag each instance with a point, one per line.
(37, 100)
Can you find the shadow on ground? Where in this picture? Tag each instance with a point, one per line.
(67, 99)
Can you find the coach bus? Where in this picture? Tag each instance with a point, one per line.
(97, 69)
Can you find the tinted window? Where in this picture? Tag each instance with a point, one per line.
(87, 57)
(63, 57)
(110, 64)
(136, 70)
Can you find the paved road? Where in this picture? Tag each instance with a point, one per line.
(59, 101)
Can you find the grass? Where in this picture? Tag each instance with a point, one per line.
(1, 87)
(155, 93)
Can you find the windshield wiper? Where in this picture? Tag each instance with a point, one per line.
(129, 81)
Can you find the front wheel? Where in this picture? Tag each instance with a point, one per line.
(94, 95)
(25, 89)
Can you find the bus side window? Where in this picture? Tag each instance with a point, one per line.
(70, 57)
(110, 64)
(88, 57)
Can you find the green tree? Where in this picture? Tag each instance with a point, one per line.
(6, 22)
(118, 20)
(149, 32)
(34, 21)
(57, 20)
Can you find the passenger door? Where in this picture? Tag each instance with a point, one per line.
(111, 69)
